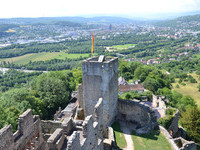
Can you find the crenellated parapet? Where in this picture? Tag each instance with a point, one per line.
(28, 134)
(6, 138)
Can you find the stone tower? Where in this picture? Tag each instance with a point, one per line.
(100, 80)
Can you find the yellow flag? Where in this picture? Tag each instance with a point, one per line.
(92, 44)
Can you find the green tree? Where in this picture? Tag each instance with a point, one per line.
(198, 87)
(77, 76)
(185, 102)
(12, 114)
(16, 97)
(191, 122)
(54, 92)
(2, 117)
(151, 84)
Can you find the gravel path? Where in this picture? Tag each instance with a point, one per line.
(127, 135)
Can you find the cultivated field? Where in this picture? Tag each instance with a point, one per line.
(10, 30)
(123, 47)
(42, 57)
(189, 89)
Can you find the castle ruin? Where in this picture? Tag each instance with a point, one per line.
(85, 124)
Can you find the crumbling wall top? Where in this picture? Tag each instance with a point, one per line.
(104, 60)
(25, 123)
(6, 138)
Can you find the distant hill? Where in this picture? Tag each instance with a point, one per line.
(189, 18)
(68, 23)
(5, 27)
(179, 21)
(50, 20)
(110, 20)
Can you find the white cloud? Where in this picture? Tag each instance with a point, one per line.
(41, 8)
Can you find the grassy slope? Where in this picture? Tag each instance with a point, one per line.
(42, 57)
(153, 141)
(189, 89)
(62, 55)
(119, 136)
(122, 47)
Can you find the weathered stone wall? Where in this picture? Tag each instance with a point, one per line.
(28, 135)
(100, 79)
(57, 114)
(178, 143)
(67, 125)
(169, 138)
(74, 142)
(184, 144)
(80, 96)
(98, 117)
(6, 138)
(49, 126)
(173, 128)
(109, 142)
(91, 136)
(158, 102)
(138, 113)
(56, 140)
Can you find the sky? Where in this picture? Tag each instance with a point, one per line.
(53, 8)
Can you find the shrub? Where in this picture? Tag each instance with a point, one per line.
(165, 121)
(183, 84)
(198, 87)
(191, 79)
(177, 86)
(170, 111)
(198, 72)
(180, 81)
(191, 122)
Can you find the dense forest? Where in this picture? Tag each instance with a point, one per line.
(44, 94)
(13, 78)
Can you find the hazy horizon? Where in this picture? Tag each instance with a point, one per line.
(149, 9)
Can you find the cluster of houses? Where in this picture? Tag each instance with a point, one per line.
(124, 86)
(171, 57)
(145, 62)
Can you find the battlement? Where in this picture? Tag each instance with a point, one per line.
(93, 66)
(28, 135)
(100, 59)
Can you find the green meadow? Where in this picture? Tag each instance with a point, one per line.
(42, 57)
(189, 89)
(123, 47)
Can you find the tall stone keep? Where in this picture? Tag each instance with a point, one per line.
(100, 80)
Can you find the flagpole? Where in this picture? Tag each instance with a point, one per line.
(92, 50)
